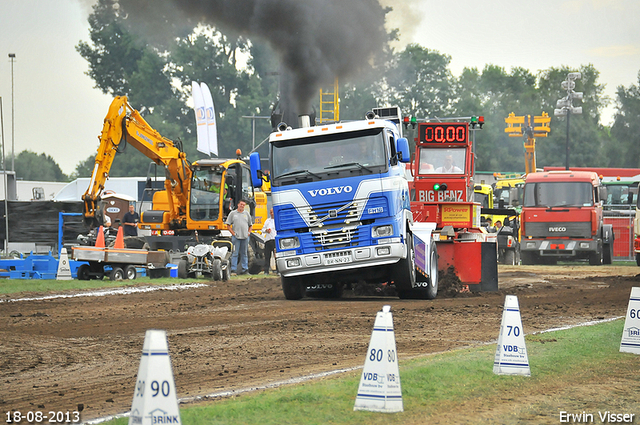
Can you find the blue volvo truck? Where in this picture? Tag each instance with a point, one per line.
(342, 209)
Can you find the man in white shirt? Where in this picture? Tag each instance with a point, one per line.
(269, 233)
(448, 166)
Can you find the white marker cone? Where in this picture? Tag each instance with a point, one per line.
(154, 399)
(511, 353)
(630, 342)
(379, 389)
(64, 270)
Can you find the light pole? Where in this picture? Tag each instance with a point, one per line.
(253, 119)
(565, 107)
(12, 57)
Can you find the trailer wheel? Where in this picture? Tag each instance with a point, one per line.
(83, 272)
(216, 272)
(117, 273)
(292, 288)
(130, 272)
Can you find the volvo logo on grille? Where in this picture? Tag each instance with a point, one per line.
(330, 191)
(557, 229)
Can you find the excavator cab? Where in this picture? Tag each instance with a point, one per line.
(207, 194)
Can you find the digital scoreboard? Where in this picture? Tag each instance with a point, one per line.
(444, 132)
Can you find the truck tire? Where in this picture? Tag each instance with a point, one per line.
(608, 254)
(427, 290)
(527, 258)
(638, 259)
(130, 272)
(292, 288)
(216, 272)
(595, 258)
(404, 271)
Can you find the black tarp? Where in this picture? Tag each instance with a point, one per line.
(37, 222)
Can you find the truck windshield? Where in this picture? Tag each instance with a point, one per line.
(442, 161)
(558, 194)
(331, 154)
(481, 198)
(205, 194)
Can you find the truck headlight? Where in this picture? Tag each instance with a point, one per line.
(289, 243)
(382, 231)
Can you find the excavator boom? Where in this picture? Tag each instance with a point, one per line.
(124, 125)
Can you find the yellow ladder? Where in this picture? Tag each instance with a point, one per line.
(329, 104)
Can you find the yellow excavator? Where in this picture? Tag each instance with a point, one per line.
(197, 196)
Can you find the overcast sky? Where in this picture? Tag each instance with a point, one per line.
(59, 113)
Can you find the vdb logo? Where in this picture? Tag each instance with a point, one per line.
(557, 229)
(634, 332)
(512, 349)
(330, 191)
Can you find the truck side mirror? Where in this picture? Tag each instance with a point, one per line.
(402, 147)
(256, 172)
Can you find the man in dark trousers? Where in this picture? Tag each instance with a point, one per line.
(130, 221)
(240, 223)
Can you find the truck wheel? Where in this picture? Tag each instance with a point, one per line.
(83, 272)
(527, 258)
(510, 257)
(638, 259)
(117, 273)
(182, 269)
(292, 288)
(404, 271)
(216, 272)
(595, 258)
(130, 272)
(425, 290)
(608, 254)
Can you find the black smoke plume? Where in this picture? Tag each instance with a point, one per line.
(317, 40)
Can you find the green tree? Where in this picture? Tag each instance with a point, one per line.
(624, 151)
(420, 82)
(493, 94)
(31, 166)
(587, 137)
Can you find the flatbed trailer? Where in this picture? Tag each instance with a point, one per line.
(122, 262)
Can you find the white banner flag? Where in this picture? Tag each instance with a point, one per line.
(210, 113)
(201, 118)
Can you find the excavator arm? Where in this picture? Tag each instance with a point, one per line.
(124, 125)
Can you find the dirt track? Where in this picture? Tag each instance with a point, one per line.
(60, 353)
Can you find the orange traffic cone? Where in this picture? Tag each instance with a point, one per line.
(119, 244)
(100, 238)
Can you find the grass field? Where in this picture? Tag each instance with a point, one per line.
(577, 370)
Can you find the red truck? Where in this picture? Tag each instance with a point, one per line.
(562, 219)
